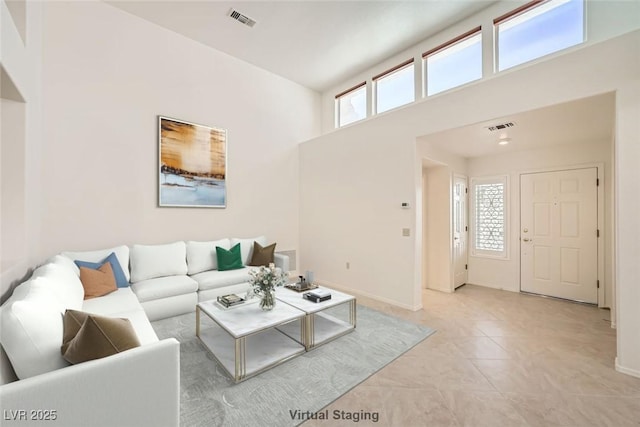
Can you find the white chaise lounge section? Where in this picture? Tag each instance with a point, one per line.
(121, 390)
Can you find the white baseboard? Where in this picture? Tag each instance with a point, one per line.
(484, 285)
(447, 291)
(628, 371)
(368, 295)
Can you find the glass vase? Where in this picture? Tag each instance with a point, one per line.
(268, 300)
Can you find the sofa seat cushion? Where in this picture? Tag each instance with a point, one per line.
(123, 303)
(122, 300)
(217, 279)
(164, 287)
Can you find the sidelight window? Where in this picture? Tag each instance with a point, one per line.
(490, 216)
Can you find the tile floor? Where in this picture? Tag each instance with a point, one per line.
(497, 359)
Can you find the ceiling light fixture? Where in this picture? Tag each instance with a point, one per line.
(504, 141)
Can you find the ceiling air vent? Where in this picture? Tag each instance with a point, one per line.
(242, 18)
(501, 126)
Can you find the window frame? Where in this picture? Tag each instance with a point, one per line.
(446, 45)
(375, 79)
(503, 255)
(527, 7)
(347, 92)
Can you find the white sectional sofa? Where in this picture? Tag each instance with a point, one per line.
(137, 387)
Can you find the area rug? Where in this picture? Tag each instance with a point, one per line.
(308, 382)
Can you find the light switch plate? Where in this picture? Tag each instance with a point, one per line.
(406, 232)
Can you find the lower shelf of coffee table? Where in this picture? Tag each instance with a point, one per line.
(262, 350)
(325, 328)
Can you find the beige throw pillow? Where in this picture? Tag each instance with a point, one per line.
(71, 324)
(262, 255)
(98, 337)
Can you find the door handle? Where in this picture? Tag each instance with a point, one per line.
(527, 240)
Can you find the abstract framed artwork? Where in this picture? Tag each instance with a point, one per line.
(192, 164)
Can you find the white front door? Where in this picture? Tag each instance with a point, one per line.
(559, 234)
(460, 228)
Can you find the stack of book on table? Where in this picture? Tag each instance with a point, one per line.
(230, 300)
(318, 295)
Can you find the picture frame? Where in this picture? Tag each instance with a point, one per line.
(192, 164)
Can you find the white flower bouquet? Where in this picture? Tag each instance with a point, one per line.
(264, 281)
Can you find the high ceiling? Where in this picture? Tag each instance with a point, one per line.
(317, 44)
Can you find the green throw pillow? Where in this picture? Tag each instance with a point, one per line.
(229, 260)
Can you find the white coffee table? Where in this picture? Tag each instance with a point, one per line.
(244, 339)
(320, 324)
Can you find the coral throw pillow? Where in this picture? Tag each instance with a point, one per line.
(97, 283)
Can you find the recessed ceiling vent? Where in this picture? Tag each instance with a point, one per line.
(244, 19)
(500, 126)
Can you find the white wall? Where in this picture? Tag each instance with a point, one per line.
(505, 273)
(21, 139)
(437, 235)
(20, 149)
(350, 211)
(354, 179)
(604, 20)
(627, 186)
(107, 76)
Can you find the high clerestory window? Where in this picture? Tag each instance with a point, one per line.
(537, 29)
(454, 63)
(489, 214)
(395, 87)
(351, 105)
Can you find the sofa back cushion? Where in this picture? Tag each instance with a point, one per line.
(246, 246)
(201, 256)
(151, 261)
(122, 253)
(61, 279)
(31, 328)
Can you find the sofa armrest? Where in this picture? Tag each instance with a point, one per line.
(281, 261)
(138, 387)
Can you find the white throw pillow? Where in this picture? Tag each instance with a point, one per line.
(151, 261)
(122, 253)
(31, 329)
(201, 256)
(246, 246)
